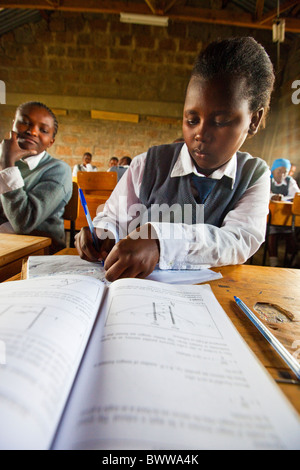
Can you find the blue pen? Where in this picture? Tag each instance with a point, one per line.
(279, 348)
(89, 220)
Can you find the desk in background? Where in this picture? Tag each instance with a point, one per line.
(97, 187)
(15, 248)
(280, 215)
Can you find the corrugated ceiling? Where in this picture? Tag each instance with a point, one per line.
(11, 19)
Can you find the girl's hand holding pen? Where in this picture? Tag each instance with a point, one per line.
(134, 256)
(86, 249)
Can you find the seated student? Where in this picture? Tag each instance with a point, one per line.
(34, 186)
(226, 100)
(283, 185)
(113, 161)
(86, 164)
(125, 162)
(283, 188)
(292, 169)
(122, 167)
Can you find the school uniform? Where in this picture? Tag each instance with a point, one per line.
(288, 187)
(81, 167)
(227, 220)
(33, 195)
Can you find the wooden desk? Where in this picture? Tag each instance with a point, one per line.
(14, 248)
(260, 284)
(280, 213)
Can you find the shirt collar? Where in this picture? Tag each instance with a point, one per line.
(283, 183)
(185, 166)
(33, 160)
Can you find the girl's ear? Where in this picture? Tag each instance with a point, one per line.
(255, 121)
(51, 143)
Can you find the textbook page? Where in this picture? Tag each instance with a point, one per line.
(44, 327)
(166, 369)
(38, 266)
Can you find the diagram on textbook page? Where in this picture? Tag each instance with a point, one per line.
(162, 313)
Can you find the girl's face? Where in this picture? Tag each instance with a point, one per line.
(35, 128)
(216, 121)
(86, 159)
(280, 174)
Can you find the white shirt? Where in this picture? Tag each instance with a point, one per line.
(87, 167)
(193, 246)
(293, 188)
(11, 179)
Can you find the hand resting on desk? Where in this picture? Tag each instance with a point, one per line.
(134, 256)
(277, 197)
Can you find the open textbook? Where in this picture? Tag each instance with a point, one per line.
(137, 364)
(38, 266)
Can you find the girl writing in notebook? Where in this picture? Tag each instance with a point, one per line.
(223, 193)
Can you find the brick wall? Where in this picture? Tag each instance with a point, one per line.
(78, 62)
(281, 138)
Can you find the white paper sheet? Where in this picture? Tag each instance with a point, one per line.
(39, 266)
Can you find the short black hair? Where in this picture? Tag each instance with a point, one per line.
(41, 105)
(243, 57)
(88, 154)
(125, 160)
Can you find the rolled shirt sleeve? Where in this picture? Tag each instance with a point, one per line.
(10, 179)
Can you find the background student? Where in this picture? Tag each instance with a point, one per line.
(34, 187)
(86, 164)
(283, 185)
(120, 169)
(227, 99)
(283, 188)
(113, 161)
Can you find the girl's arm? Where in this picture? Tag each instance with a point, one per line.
(239, 237)
(27, 209)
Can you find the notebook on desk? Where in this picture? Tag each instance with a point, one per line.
(38, 266)
(137, 364)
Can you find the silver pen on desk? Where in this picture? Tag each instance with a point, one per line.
(279, 348)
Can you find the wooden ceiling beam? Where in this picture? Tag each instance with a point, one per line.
(259, 8)
(161, 7)
(282, 8)
(176, 12)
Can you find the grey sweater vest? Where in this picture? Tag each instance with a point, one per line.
(282, 189)
(159, 188)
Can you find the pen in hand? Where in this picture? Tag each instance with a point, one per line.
(89, 220)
